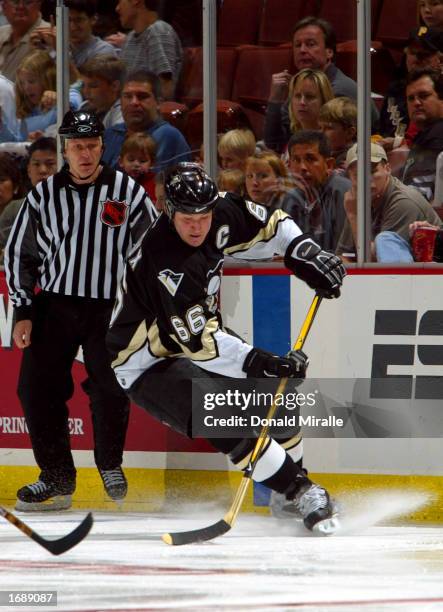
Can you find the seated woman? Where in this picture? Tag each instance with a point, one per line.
(266, 179)
(308, 91)
(35, 90)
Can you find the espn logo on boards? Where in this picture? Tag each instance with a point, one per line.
(406, 323)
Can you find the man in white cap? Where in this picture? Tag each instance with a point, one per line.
(393, 207)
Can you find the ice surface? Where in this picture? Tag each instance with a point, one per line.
(261, 564)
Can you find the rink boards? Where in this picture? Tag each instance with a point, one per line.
(389, 313)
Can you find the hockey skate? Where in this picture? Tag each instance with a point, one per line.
(315, 507)
(115, 483)
(45, 495)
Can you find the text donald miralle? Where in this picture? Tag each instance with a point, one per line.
(232, 409)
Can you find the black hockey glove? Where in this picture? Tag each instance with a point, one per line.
(261, 364)
(321, 270)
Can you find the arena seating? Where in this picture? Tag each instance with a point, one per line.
(397, 18)
(279, 17)
(239, 22)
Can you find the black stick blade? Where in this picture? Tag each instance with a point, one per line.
(55, 547)
(58, 547)
(197, 535)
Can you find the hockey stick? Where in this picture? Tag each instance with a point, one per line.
(227, 522)
(55, 547)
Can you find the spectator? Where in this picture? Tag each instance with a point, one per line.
(314, 47)
(232, 180)
(160, 193)
(424, 94)
(424, 50)
(152, 45)
(308, 90)
(23, 17)
(42, 163)
(9, 125)
(137, 158)
(430, 13)
(82, 43)
(139, 100)
(317, 201)
(10, 180)
(394, 206)
(35, 94)
(265, 177)
(102, 78)
(234, 147)
(338, 121)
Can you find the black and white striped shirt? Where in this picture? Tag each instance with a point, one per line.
(73, 239)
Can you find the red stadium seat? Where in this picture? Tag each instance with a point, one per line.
(238, 23)
(176, 113)
(190, 89)
(252, 78)
(397, 18)
(382, 67)
(230, 115)
(278, 20)
(343, 17)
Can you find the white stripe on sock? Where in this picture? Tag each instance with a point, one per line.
(270, 462)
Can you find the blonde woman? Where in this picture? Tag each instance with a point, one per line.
(36, 96)
(234, 147)
(266, 179)
(309, 89)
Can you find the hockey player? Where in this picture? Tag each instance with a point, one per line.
(167, 309)
(71, 238)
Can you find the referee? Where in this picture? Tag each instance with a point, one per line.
(70, 239)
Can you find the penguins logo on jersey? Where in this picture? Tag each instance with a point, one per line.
(171, 280)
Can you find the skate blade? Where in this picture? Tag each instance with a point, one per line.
(327, 526)
(54, 504)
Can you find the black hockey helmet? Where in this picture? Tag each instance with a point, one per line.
(81, 124)
(189, 190)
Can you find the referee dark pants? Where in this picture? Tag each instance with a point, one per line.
(61, 324)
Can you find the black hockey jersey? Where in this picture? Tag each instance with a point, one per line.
(168, 302)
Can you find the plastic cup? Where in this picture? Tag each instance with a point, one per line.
(423, 242)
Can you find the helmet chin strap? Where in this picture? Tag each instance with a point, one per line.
(84, 178)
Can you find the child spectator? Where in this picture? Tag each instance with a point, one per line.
(137, 157)
(266, 175)
(232, 180)
(430, 13)
(338, 121)
(35, 91)
(102, 78)
(234, 147)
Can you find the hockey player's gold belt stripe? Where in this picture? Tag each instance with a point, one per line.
(138, 340)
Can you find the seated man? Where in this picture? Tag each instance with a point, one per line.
(23, 18)
(316, 203)
(424, 94)
(166, 329)
(394, 206)
(139, 99)
(314, 46)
